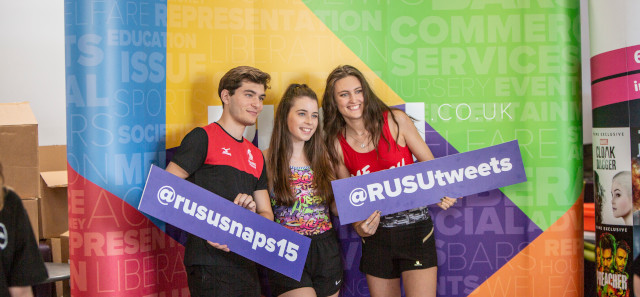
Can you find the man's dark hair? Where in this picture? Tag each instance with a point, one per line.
(607, 241)
(625, 246)
(233, 79)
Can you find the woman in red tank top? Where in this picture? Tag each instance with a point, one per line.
(365, 135)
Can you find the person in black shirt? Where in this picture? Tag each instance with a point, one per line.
(218, 158)
(22, 264)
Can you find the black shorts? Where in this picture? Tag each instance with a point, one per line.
(322, 269)
(390, 251)
(223, 281)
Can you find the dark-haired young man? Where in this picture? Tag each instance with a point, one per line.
(218, 158)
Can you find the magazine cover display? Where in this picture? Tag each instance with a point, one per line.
(615, 209)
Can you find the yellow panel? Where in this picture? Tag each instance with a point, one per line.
(283, 38)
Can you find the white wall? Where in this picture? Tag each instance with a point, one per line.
(32, 62)
(32, 69)
(587, 121)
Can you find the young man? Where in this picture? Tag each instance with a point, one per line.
(217, 158)
(607, 246)
(622, 256)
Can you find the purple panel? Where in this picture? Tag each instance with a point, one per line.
(478, 235)
(476, 238)
(439, 146)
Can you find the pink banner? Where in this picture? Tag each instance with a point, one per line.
(615, 90)
(615, 62)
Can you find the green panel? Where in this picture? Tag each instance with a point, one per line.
(488, 72)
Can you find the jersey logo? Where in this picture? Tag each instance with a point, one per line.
(225, 151)
(363, 171)
(4, 236)
(250, 156)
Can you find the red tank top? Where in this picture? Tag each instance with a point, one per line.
(385, 158)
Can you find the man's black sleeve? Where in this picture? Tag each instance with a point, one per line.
(192, 151)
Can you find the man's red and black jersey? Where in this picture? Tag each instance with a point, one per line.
(218, 162)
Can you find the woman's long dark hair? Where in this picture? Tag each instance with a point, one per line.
(372, 113)
(281, 149)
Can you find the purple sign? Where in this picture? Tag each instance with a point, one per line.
(425, 183)
(211, 217)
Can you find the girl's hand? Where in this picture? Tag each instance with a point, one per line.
(447, 202)
(369, 226)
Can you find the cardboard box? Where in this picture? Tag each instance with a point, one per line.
(52, 158)
(19, 148)
(64, 239)
(60, 248)
(60, 252)
(32, 206)
(53, 191)
(63, 289)
(53, 201)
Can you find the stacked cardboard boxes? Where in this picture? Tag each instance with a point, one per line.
(60, 253)
(53, 199)
(19, 148)
(53, 190)
(39, 177)
(19, 156)
(37, 174)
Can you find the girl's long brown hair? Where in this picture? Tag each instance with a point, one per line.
(372, 113)
(281, 149)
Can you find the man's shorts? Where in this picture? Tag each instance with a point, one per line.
(223, 281)
(391, 251)
(322, 270)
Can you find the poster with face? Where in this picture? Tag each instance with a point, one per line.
(612, 176)
(614, 210)
(614, 260)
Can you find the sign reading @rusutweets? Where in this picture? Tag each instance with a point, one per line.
(424, 183)
(211, 217)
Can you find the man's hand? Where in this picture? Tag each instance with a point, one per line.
(219, 246)
(245, 201)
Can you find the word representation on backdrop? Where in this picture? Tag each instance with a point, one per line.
(209, 216)
(425, 183)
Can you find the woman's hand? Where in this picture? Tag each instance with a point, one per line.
(447, 202)
(369, 226)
